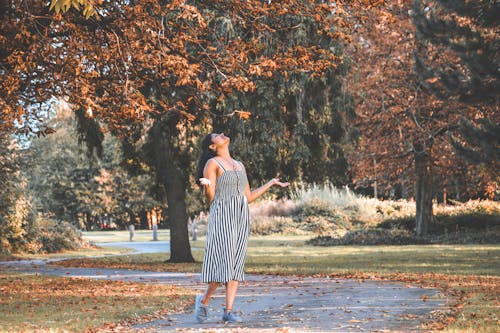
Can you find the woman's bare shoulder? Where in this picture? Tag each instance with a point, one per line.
(241, 164)
(211, 163)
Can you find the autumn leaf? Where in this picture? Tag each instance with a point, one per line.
(432, 80)
(243, 114)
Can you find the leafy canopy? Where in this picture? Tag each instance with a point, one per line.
(125, 62)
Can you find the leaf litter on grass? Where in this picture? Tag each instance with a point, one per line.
(56, 303)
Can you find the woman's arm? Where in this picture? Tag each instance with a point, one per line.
(210, 174)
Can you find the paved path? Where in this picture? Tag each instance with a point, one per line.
(140, 247)
(285, 304)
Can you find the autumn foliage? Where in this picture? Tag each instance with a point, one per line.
(156, 70)
(403, 112)
(126, 62)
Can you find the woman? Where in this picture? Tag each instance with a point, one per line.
(226, 187)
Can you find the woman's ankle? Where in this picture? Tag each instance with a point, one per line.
(204, 300)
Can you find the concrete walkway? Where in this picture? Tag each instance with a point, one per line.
(140, 247)
(284, 304)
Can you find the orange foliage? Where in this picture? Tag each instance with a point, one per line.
(394, 113)
(123, 59)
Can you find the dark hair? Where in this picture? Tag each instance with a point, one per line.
(206, 154)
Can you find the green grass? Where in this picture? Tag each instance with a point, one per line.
(81, 253)
(293, 257)
(44, 303)
(290, 255)
(468, 272)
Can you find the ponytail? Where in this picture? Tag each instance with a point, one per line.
(206, 154)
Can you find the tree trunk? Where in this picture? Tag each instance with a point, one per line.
(169, 174)
(88, 221)
(423, 189)
(143, 217)
(131, 216)
(180, 249)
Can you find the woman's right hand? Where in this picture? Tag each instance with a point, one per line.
(205, 181)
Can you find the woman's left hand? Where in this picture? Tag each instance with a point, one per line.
(276, 181)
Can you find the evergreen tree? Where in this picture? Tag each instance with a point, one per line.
(296, 127)
(479, 144)
(457, 59)
(297, 130)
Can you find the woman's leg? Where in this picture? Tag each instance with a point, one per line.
(231, 289)
(201, 302)
(211, 288)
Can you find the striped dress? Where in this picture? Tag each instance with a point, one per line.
(228, 229)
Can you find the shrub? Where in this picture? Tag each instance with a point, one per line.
(56, 236)
(322, 220)
(41, 235)
(17, 220)
(489, 235)
(468, 220)
(472, 222)
(358, 209)
(470, 215)
(272, 208)
(374, 236)
(405, 222)
(267, 225)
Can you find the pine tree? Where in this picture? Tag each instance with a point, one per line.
(479, 144)
(457, 59)
(297, 132)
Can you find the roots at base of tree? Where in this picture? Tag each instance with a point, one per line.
(179, 260)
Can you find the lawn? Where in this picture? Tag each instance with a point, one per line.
(289, 255)
(36, 303)
(469, 273)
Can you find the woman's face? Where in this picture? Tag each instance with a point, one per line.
(219, 140)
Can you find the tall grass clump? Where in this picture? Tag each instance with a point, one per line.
(360, 210)
(338, 216)
(283, 207)
(323, 210)
(326, 210)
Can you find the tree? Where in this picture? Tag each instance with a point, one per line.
(17, 219)
(151, 71)
(467, 33)
(296, 132)
(481, 144)
(457, 49)
(71, 184)
(403, 126)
